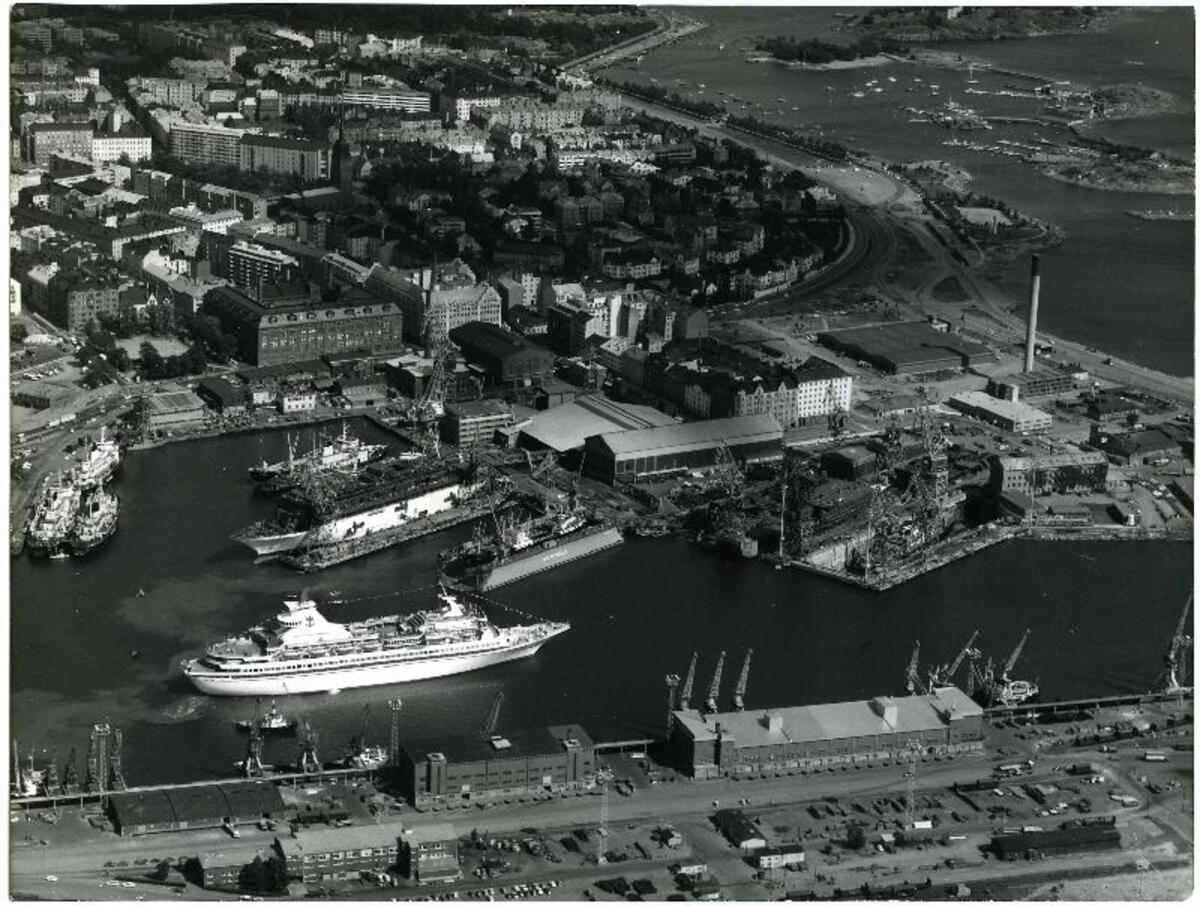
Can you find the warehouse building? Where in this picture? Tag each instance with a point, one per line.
(190, 808)
(173, 407)
(567, 426)
(1006, 414)
(907, 347)
(739, 830)
(675, 448)
(773, 857)
(468, 769)
(507, 358)
(946, 721)
(342, 853)
(1061, 473)
(222, 395)
(1062, 842)
(475, 422)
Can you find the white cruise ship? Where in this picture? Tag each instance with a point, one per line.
(301, 651)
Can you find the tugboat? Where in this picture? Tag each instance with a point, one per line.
(96, 523)
(273, 721)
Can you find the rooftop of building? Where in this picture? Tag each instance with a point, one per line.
(1051, 460)
(314, 840)
(566, 427)
(905, 342)
(493, 340)
(504, 744)
(173, 399)
(1013, 409)
(842, 720)
(676, 437)
(479, 408)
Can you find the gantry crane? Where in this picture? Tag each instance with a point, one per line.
(912, 676)
(944, 675)
(714, 688)
(685, 694)
(308, 763)
(1175, 674)
(739, 693)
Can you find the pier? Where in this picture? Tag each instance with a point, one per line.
(1081, 705)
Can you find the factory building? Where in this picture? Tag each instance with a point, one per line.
(507, 358)
(1006, 414)
(291, 327)
(465, 769)
(1030, 385)
(675, 448)
(946, 721)
(1062, 473)
(195, 807)
(1151, 446)
(475, 422)
(739, 830)
(907, 347)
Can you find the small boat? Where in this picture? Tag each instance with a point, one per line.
(274, 721)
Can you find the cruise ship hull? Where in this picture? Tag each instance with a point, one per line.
(213, 682)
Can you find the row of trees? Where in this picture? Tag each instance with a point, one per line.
(817, 52)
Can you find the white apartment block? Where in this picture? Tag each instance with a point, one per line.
(107, 148)
(387, 99)
(205, 144)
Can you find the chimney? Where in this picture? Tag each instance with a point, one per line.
(1035, 284)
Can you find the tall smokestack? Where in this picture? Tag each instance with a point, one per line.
(1035, 284)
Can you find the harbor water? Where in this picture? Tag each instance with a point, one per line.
(1117, 283)
(101, 639)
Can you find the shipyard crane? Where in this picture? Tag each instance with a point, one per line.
(1174, 673)
(672, 681)
(739, 693)
(308, 763)
(685, 695)
(252, 766)
(912, 676)
(714, 688)
(489, 725)
(943, 675)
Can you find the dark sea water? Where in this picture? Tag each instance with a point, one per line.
(1117, 283)
(1100, 614)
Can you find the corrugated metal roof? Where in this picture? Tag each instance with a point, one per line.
(677, 437)
(567, 426)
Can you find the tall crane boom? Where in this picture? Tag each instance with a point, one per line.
(1015, 656)
(714, 688)
(942, 676)
(912, 679)
(685, 696)
(489, 725)
(739, 693)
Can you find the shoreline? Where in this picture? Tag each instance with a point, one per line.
(836, 65)
(1128, 187)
